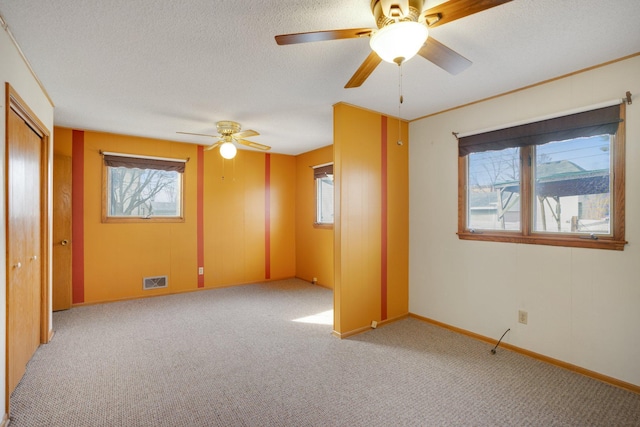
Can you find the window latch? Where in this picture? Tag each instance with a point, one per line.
(590, 236)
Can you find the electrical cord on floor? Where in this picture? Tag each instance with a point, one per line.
(493, 350)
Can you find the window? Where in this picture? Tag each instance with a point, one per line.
(323, 176)
(138, 189)
(555, 182)
(494, 190)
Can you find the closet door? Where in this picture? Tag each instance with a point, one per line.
(24, 260)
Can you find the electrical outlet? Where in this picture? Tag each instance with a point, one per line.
(200, 271)
(523, 317)
(374, 324)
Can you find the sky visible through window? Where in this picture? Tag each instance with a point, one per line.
(591, 153)
(492, 167)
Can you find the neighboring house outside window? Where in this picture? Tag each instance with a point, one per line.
(556, 182)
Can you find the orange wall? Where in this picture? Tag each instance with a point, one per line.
(363, 292)
(314, 246)
(283, 216)
(118, 256)
(62, 147)
(234, 212)
(242, 205)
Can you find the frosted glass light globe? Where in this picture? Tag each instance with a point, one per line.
(400, 41)
(228, 150)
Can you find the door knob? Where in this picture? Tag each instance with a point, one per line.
(33, 258)
(18, 265)
(65, 242)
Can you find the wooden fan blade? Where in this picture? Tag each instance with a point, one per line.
(443, 57)
(318, 36)
(211, 147)
(244, 134)
(199, 134)
(455, 9)
(253, 144)
(361, 74)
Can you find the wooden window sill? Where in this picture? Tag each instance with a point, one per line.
(567, 241)
(323, 226)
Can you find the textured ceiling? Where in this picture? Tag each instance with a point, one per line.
(154, 67)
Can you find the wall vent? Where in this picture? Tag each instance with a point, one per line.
(154, 282)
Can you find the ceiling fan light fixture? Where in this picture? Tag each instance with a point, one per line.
(400, 41)
(228, 150)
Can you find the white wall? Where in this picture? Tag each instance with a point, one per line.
(583, 304)
(14, 70)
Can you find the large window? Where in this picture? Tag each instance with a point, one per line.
(323, 176)
(555, 182)
(140, 189)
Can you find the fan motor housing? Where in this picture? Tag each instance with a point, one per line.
(386, 12)
(228, 127)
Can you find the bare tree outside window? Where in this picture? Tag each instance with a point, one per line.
(494, 190)
(143, 193)
(569, 185)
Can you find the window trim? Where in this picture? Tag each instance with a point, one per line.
(615, 241)
(320, 171)
(146, 162)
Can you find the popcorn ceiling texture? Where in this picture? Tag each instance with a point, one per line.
(154, 67)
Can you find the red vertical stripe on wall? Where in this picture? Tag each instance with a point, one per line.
(267, 216)
(77, 216)
(200, 214)
(383, 220)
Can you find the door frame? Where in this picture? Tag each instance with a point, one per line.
(16, 104)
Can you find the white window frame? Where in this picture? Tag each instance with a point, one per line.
(319, 181)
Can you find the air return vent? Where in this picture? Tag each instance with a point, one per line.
(154, 282)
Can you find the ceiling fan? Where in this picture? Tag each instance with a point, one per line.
(229, 131)
(402, 33)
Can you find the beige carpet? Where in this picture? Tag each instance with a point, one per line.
(251, 356)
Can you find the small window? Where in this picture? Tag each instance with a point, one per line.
(323, 176)
(138, 189)
(557, 182)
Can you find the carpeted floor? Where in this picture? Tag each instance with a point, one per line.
(252, 356)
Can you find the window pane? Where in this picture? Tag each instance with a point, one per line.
(324, 201)
(572, 181)
(143, 193)
(493, 190)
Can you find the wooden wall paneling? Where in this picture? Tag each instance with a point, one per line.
(62, 240)
(27, 225)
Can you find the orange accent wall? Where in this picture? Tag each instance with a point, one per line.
(358, 293)
(314, 246)
(234, 218)
(397, 219)
(118, 256)
(283, 216)
(63, 146)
